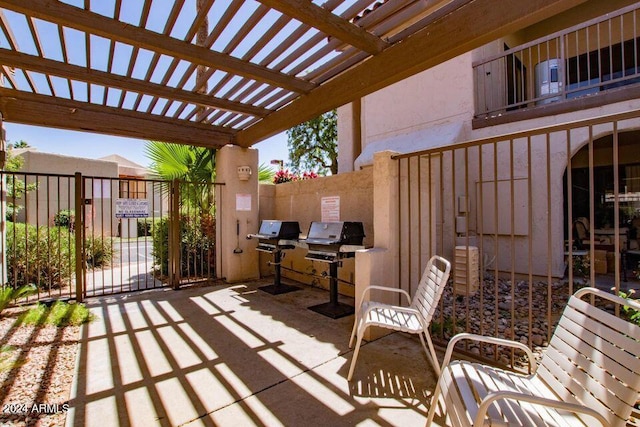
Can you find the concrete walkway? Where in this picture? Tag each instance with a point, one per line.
(236, 356)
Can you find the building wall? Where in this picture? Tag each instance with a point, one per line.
(435, 108)
(301, 201)
(54, 195)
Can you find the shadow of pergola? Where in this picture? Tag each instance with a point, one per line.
(234, 355)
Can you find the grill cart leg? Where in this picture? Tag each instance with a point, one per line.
(278, 287)
(333, 308)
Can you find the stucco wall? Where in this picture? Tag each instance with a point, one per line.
(301, 201)
(55, 194)
(435, 108)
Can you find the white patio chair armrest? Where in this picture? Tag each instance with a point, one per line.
(398, 309)
(490, 340)
(536, 400)
(384, 288)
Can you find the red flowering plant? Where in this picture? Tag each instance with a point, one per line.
(308, 175)
(284, 175)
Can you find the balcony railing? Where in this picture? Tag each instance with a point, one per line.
(584, 60)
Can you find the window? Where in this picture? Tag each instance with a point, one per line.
(133, 189)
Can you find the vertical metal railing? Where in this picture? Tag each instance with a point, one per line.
(76, 236)
(126, 230)
(195, 210)
(36, 240)
(503, 210)
(592, 57)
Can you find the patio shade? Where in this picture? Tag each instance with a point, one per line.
(211, 73)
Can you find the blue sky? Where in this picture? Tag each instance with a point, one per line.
(93, 146)
(81, 144)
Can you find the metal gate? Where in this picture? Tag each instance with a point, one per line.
(77, 236)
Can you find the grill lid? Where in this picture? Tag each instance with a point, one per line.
(339, 232)
(273, 229)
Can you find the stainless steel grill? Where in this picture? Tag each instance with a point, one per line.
(272, 231)
(274, 237)
(330, 242)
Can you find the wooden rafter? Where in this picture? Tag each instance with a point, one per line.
(432, 45)
(74, 72)
(42, 110)
(251, 84)
(94, 23)
(330, 24)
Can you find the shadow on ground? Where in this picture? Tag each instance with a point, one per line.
(234, 355)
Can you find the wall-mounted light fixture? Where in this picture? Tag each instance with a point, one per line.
(244, 173)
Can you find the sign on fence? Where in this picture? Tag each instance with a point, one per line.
(132, 208)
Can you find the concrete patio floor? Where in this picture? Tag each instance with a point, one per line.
(232, 355)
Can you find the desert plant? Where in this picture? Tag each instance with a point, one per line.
(98, 251)
(8, 294)
(44, 256)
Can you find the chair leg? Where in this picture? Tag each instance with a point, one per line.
(355, 355)
(434, 404)
(430, 356)
(434, 357)
(356, 322)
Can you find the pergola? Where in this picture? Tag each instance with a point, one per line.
(217, 72)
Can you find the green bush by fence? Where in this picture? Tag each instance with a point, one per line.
(197, 243)
(98, 251)
(44, 256)
(65, 218)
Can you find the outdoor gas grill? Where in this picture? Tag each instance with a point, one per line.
(330, 242)
(274, 237)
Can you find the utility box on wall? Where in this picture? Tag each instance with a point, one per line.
(466, 270)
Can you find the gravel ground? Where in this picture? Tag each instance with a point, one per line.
(36, 373)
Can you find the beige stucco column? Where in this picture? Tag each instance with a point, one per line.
(237, 213)
(379, 265)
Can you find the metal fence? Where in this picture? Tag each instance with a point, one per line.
(505, 210)
(77, 236)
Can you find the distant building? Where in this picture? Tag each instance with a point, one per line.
(105, 180)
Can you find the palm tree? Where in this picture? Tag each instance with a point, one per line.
(265, 174)
(195, 165)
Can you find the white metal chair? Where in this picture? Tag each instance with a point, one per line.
(413, 319)
(589, 375)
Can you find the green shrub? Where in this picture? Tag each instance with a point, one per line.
(146, 226)
(8, 294)
(98, 251)
(65, 218)
(161, 246)
(197, 241)
(44, 256)
(631, 313)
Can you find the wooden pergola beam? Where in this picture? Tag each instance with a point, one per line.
(93, 23)
(324, 20)
(74, 72)
(41, 110)
(468, 27)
